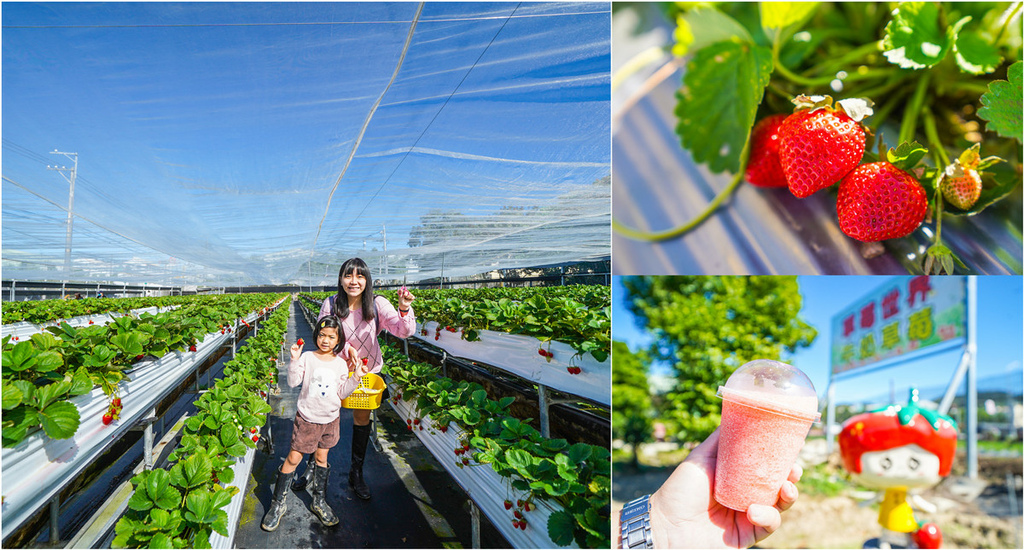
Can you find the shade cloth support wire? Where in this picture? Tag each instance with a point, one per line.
(437, 114)
(366, 124)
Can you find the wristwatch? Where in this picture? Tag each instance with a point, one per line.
(635, 521)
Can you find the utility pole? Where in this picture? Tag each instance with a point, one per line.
(64, 170)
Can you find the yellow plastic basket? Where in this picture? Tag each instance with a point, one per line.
(367, 395)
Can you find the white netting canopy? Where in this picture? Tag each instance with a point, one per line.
(264, 143)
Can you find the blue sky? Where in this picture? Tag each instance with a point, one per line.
(246, 138)
(1000, 336)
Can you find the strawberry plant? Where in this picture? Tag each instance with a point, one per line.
(575, 476)
(576, 315)
(42, 373)
(941, 79)
(183, 506)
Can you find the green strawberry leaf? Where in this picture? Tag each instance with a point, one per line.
(12, 396)
(48, 360)
(60, 420)
(199, 507)
(160, 540)
(907, 155)
(723, 86)
(196, 470)
(45, 341)
(703, 26)
(81, 383)
(1006, 180)
(776, 15)
(974, 55)
(50, 392)
(19, 358)
(560, 528)
(17, 422)
(579, 452)
(1001, 104)
(160, 491)
(913, 39)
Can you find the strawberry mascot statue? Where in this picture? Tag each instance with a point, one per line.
(897, 449)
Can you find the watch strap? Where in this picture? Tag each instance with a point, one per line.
(635, 521)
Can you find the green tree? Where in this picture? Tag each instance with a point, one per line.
(631, 398)
(706, 327)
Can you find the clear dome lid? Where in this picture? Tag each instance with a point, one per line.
(773, 386)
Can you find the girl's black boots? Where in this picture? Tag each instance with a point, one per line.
(319, 505)
(277, 507)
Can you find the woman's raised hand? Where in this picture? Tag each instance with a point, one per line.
(405, 298)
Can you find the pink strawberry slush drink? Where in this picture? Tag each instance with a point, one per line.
(767, 409)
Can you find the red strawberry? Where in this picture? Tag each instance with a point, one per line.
(542, 352)
(255, 438)
(526, 506)
(878, 201)
(522, 524)
(416, 421)
(444, 429)
(300, 342)
(508, 504)
(107, 418)
(192, 347)
(570, 369)
(365, 360)
(518, 514)
(116, 402)
(90, 321)
(819, 145)
(519, 503)
(465, 461)
(763, 168)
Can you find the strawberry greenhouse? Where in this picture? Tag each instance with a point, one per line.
(182, 185)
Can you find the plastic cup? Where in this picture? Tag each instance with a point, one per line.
(767, 409)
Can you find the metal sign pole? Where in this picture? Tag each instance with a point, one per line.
(972, 378)
(831, 416)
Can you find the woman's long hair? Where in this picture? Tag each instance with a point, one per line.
(341, 299)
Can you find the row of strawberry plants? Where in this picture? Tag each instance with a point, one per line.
(41, 374)
(575, 476)
(577, 315)
(184, 506)
(42, 311)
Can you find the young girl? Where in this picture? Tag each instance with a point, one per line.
(326, 380)
(363, 316)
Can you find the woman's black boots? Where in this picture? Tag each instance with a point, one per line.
(277, 507)
(360, 436)
(316, 490)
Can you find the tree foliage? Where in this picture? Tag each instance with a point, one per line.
(706, 327)
(631, 398)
